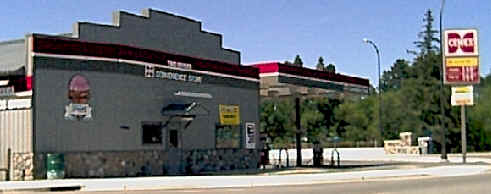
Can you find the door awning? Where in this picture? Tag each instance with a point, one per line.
(185, 110)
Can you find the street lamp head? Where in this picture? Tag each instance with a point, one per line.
(365, 40)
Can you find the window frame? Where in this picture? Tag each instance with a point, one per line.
(152, 124)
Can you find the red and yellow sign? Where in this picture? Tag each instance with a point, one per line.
(461, 57)
(462, 61)
(462, 69)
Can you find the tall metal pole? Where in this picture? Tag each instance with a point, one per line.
(464, 136)
(380, 107)
(298, 133)
(442, 116)
(379, 88)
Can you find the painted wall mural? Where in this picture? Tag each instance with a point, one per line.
(79, 96)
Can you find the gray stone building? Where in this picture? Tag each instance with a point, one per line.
(151, 94)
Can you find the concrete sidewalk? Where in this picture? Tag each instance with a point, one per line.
(188, 182)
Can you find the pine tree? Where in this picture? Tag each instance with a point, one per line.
(320, 64)
(427, 36)
(298, 61)
(330, 68)
(392, 79)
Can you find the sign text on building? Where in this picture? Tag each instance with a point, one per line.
(150, 71)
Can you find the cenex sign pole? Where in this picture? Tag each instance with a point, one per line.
(461, 70)
(464, 135)
(462, 96)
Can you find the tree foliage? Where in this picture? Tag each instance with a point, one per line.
(330, 68)
(427, 36)
(298, 61)
(320, 64)
(276, 120)
(411, 95)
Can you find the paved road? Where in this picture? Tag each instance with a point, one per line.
(448, 185)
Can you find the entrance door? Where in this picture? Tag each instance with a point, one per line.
(174, 138)
(174, 151)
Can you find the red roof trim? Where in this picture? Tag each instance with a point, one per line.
(306, 72)
(267, 67)
(67, 46)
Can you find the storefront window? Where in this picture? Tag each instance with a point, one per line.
(228, 136)
(152, 132)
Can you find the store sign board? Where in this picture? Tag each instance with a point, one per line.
(7, 91)
(461, 42)
(3, 104)
(78, 112)
(152, 72)
(461, 57)
(18, 104)
(229, 114)
(462, 75)
(250, 135)
(462, 96)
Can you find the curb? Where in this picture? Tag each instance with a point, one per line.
(46, 188)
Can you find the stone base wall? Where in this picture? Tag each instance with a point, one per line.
(22, 167)
(151, 163)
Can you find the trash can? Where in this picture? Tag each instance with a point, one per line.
(55, 166)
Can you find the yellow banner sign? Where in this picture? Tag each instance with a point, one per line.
(229, 114)
(461, 61)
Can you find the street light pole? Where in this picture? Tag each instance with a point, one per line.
(379, 88)
(442, 116)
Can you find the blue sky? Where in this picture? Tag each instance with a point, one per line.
(280, 29)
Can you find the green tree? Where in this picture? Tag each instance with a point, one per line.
(298, 61)
(358, 120)
(276, 120)
(479, 125)
(410, 101)
(312, 121)
(393, 78)
(427, 36)
(318, 117)
(320, 64)
(331, 68)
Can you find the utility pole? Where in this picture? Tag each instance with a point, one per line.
(442, 116)
(298, 133)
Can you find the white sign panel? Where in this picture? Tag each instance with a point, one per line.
(462, 96)
(461, 42)
(3, 104)
(250, 135)
(7, 91)
(78, 112)
(18, 103)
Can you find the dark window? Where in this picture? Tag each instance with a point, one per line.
(173, 138)
(152, 132)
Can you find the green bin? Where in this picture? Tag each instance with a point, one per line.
(55, 166)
